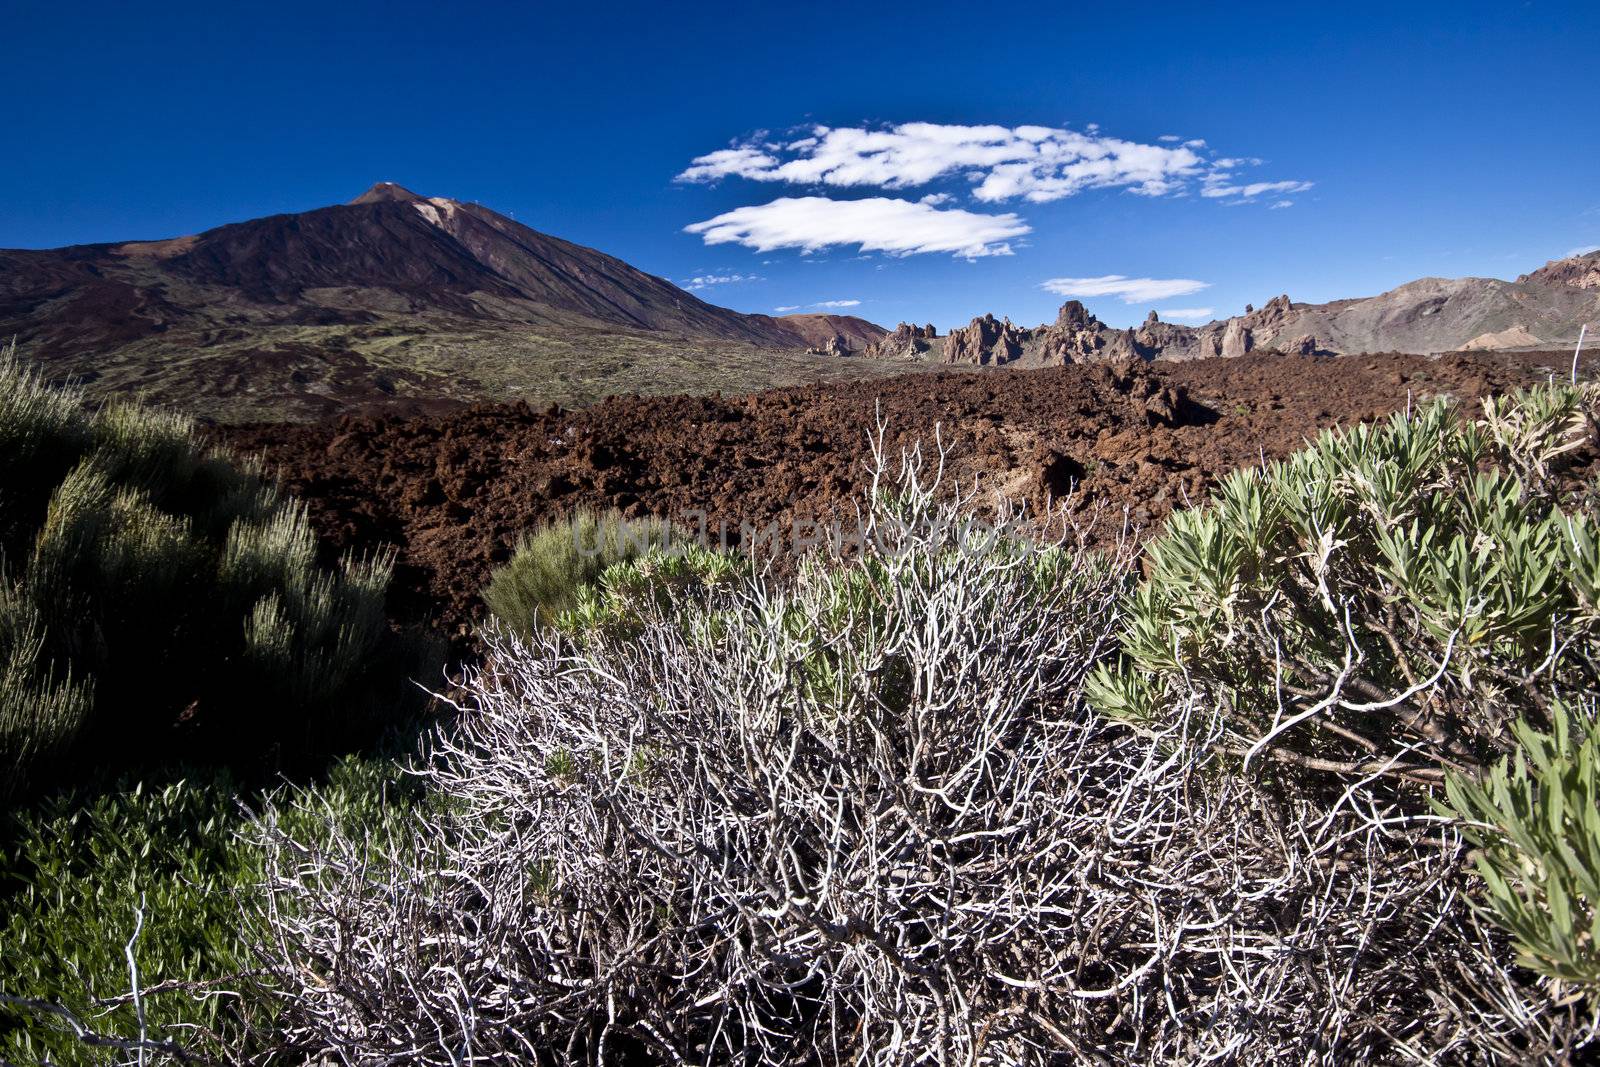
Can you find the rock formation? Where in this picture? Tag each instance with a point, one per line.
(1077, 336)
(1578, 272)
(1236, 338)
(908, 341)
(986, 342)
(836, 345)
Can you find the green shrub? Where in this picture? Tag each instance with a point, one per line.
(81, 867)
(39, 713)
(1394, 590)
(1536, 821)
(1417, 598)
(552, 565)
(623, 597)
(43, 433)
(158, 601)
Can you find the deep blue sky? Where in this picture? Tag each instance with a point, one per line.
(1442, 139)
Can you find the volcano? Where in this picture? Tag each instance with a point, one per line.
(392, 297)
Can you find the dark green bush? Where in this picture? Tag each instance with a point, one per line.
(556, 562)
(159, 601)
(625, 595)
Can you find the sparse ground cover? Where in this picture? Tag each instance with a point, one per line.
(234, 373)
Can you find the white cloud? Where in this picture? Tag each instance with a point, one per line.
(1217, 186)
(727, 162)
(787, 307)
(705, 281)
(1581, 251)
(935, 199)
(1036, 163)
(1129, 290)
(1171, 137)
(1276, 204)
(875, 224)
(1200, 314)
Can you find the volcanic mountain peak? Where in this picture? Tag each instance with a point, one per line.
(354, 303)
(385, 191)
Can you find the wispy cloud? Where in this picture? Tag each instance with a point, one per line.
(1582, 250)
(1193, 314)
(820, 305)
(874, 224)
(706, 281)
(1279, 204)
(1128, 290)
(1220, 185)
(1034, 163)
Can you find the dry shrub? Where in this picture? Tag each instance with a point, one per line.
(870, 818)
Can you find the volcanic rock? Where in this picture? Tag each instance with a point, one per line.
(1236, 338)
(908, 341)
(985, 341)
(1578, 272)
(835, 346)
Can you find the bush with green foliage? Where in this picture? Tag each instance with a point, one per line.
(159, 600)
(552, 566)
(1392, 597)
(621, 598)
(173, 859)
(1535, 818)
(1419, 599)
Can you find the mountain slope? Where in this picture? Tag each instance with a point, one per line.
(818, 330)
(1440, 314)
(392, 295)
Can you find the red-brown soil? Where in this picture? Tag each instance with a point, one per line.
(453, 491)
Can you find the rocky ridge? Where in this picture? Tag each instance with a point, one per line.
(1544, 308)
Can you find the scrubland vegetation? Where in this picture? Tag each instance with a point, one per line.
(159, 600)
(1310, 777)
(169, 642)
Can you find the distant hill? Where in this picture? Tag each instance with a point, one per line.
(1542, 309)
(391, 298)
(819, 330)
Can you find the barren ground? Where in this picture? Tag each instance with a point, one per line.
(454, 490)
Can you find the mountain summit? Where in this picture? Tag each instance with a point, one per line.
(383, 191)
